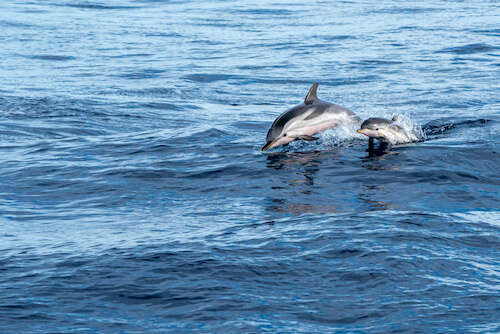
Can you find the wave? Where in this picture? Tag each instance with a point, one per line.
(443, 126)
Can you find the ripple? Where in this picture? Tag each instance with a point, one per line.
(52, 57)
(88, 5)
(207, 78)
(469, 49)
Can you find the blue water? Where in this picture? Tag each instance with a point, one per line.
(134, 196)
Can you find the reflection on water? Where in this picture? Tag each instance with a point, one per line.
(296, 209)
(300, 187)
(287, 160)
(370, 194)
(306, 165)
(377, 150)
(377, 160)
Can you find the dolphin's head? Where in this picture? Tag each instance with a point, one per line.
(375, 127)
(276, 135)
(273, 135)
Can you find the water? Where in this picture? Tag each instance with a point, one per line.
(135, 197)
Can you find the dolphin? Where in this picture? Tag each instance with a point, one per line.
(307, 119)
(384, 130)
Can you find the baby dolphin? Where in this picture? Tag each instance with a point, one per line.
(385, 130)
(303, 121)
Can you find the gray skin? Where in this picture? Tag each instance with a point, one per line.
(385, 130)
(306, 119)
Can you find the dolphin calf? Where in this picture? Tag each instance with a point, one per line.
(307, 119)
(384, 130)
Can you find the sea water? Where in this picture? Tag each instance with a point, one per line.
(135, 197)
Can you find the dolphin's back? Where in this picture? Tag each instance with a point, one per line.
(323, 107)
(374, 122)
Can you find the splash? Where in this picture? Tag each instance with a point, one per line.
(344, 135)
(410, 125)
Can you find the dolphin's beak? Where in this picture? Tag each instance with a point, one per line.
(369, 133)
(268, 145)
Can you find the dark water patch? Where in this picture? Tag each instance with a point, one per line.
(35, 11)
(159, 92)
(221, 173)
(377, 62)
(442, 126)
(51, 57)
(132, 55)
(50, 107)
(469, 49)
(192, 136)
(46, 130)
(436, 176)
(452, 177)
(335, 37)
(298, 209)
(162, 106)
(208, 78)
(250, 126)
(458, 103)
(409, 28)
(92, 6)
(37, 316)
(220, 23)
(6, 23)
(275, 13)
(36, 89)
(329, 82)
(208, 42)
(489, 32)
(149, 73)
(256, 67)
(183, 95)
(144, 174)
(277, 45)
(173, 35)
(210, 133)
(403, 10)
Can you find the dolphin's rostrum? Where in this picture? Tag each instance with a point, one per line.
(307, 119)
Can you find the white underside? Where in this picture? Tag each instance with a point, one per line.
(301, 127)
(391, 136)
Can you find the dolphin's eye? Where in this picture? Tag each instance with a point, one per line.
(284, 135)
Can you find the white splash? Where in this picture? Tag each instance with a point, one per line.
(409, 124)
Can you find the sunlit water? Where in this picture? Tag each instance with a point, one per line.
(134, 196)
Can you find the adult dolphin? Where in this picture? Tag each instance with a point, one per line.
(306, 119)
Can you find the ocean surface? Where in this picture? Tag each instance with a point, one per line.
(134, 196)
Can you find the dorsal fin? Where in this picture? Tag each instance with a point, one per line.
(311, 96)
